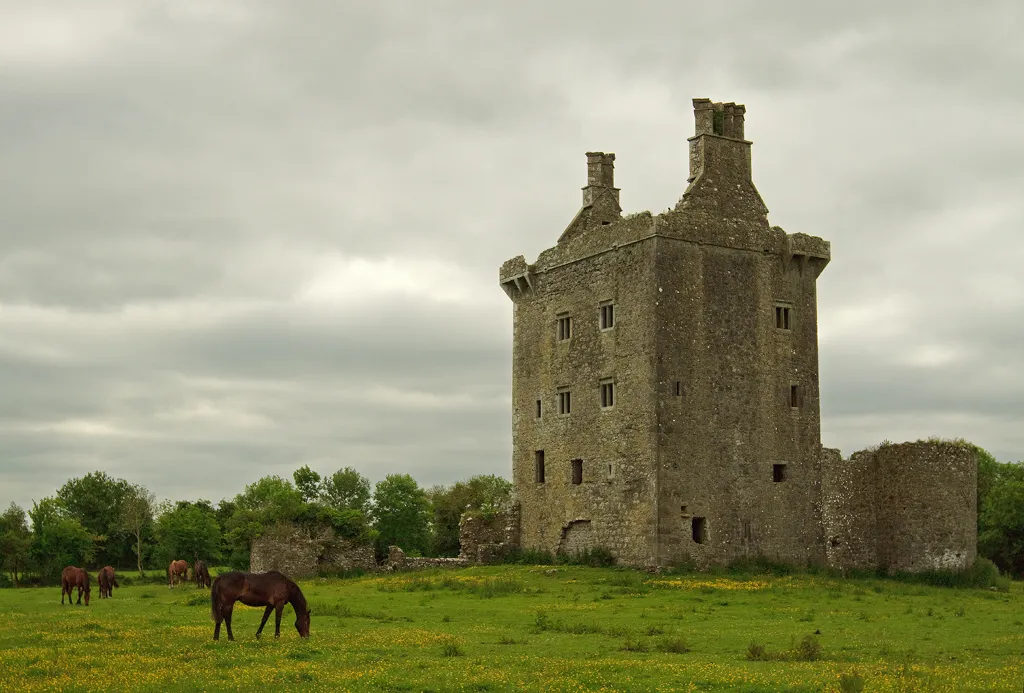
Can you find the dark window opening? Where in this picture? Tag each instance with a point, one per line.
(778, 472)
(577, 472)
(605, 223)
(794, 396)
(679, 388)
(564, 402)
(607, 316)
(538, 408)
(747, 534)
(782, 317)
(539, 466)
(682, 509)
(700, 529)
(564, 328)
(607, 395)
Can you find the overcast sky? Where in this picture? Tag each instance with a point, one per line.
(240, 237)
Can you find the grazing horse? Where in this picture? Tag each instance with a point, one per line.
(201, 574)
(107, 581)
(272, 590)
(177, 569)
(71, 578)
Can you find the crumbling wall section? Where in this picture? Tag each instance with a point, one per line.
(487, 539)
(299, 553)
(901, 508)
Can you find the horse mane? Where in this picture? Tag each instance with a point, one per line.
(296, 597)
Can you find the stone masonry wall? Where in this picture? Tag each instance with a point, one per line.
(902, 508)
(298, 553)
(484, 540)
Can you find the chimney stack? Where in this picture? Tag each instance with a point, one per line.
(600, 177)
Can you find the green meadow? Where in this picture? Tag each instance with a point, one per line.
(543, 628)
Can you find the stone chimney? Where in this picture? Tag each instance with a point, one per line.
(720, 171)
(600, 178)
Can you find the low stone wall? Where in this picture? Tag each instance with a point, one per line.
(397, 560)
(298, 553)
(901, 508)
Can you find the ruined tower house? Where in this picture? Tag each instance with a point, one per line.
(665, 371)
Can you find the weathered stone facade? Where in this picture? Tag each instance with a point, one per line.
(298, 553)
(397, 560)
(665, 372)
(901, 508)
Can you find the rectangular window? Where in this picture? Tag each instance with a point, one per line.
(679, 388)
(794, 396)
(577, 472)
(682, 510)
(538, 458)
(538, 408)
(782, 317)
(700, 529)
(778, 472)
(611, 473)
(564, 327)
(564, 401)
(607, 394)
(747, 534)
(607, 315)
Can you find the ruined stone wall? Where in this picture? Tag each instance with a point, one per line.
(902, 508)
(484, 540)
(848, 510)
(298, 553)
(616, 446)
(397, 560)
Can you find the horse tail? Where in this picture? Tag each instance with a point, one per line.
(214, 598)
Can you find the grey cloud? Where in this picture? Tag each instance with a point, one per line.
(173, 181)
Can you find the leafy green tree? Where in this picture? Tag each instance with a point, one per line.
(188, 531)
(347, 489)
(308, 482)
(137, 517)
(484, 494)
(95, 501)
(15, 541)
(58, 540)
(1001, 513)
(401, 514)
(263, 504)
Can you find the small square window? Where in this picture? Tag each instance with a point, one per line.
(778, 472)
(564, 401)
(577, 472)
(782, 317)
(607, 315)
(682, 510)
(538, 458)
(699, 526)
(795, 396)
(538, 408)
(564, 327)
(607, 394)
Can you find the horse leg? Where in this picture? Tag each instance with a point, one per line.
(63, 589)
(277, 620)
(266, 615)
(227, 620)
(79, 595)
(217, 618)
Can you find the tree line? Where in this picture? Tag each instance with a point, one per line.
(97, 520)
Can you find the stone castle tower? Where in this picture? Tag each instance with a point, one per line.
(665, 371)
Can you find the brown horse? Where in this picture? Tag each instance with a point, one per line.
(107, 581)
(71, 578)
(201, 574)
(272, 590)
(177, 569)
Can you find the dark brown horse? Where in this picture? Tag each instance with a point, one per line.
(107, 581)
(201, 574)
(272, 590)
(71, 578)
(177, 569)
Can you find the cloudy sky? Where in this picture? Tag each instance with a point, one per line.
(236, 238)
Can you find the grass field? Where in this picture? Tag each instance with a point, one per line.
(529, 628)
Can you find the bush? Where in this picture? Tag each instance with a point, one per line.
(851, 683)
(520, 556)
(983, 573)
(756, 652)
(597, 557)
(673, 645)
(809, 650)
(451, 649)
